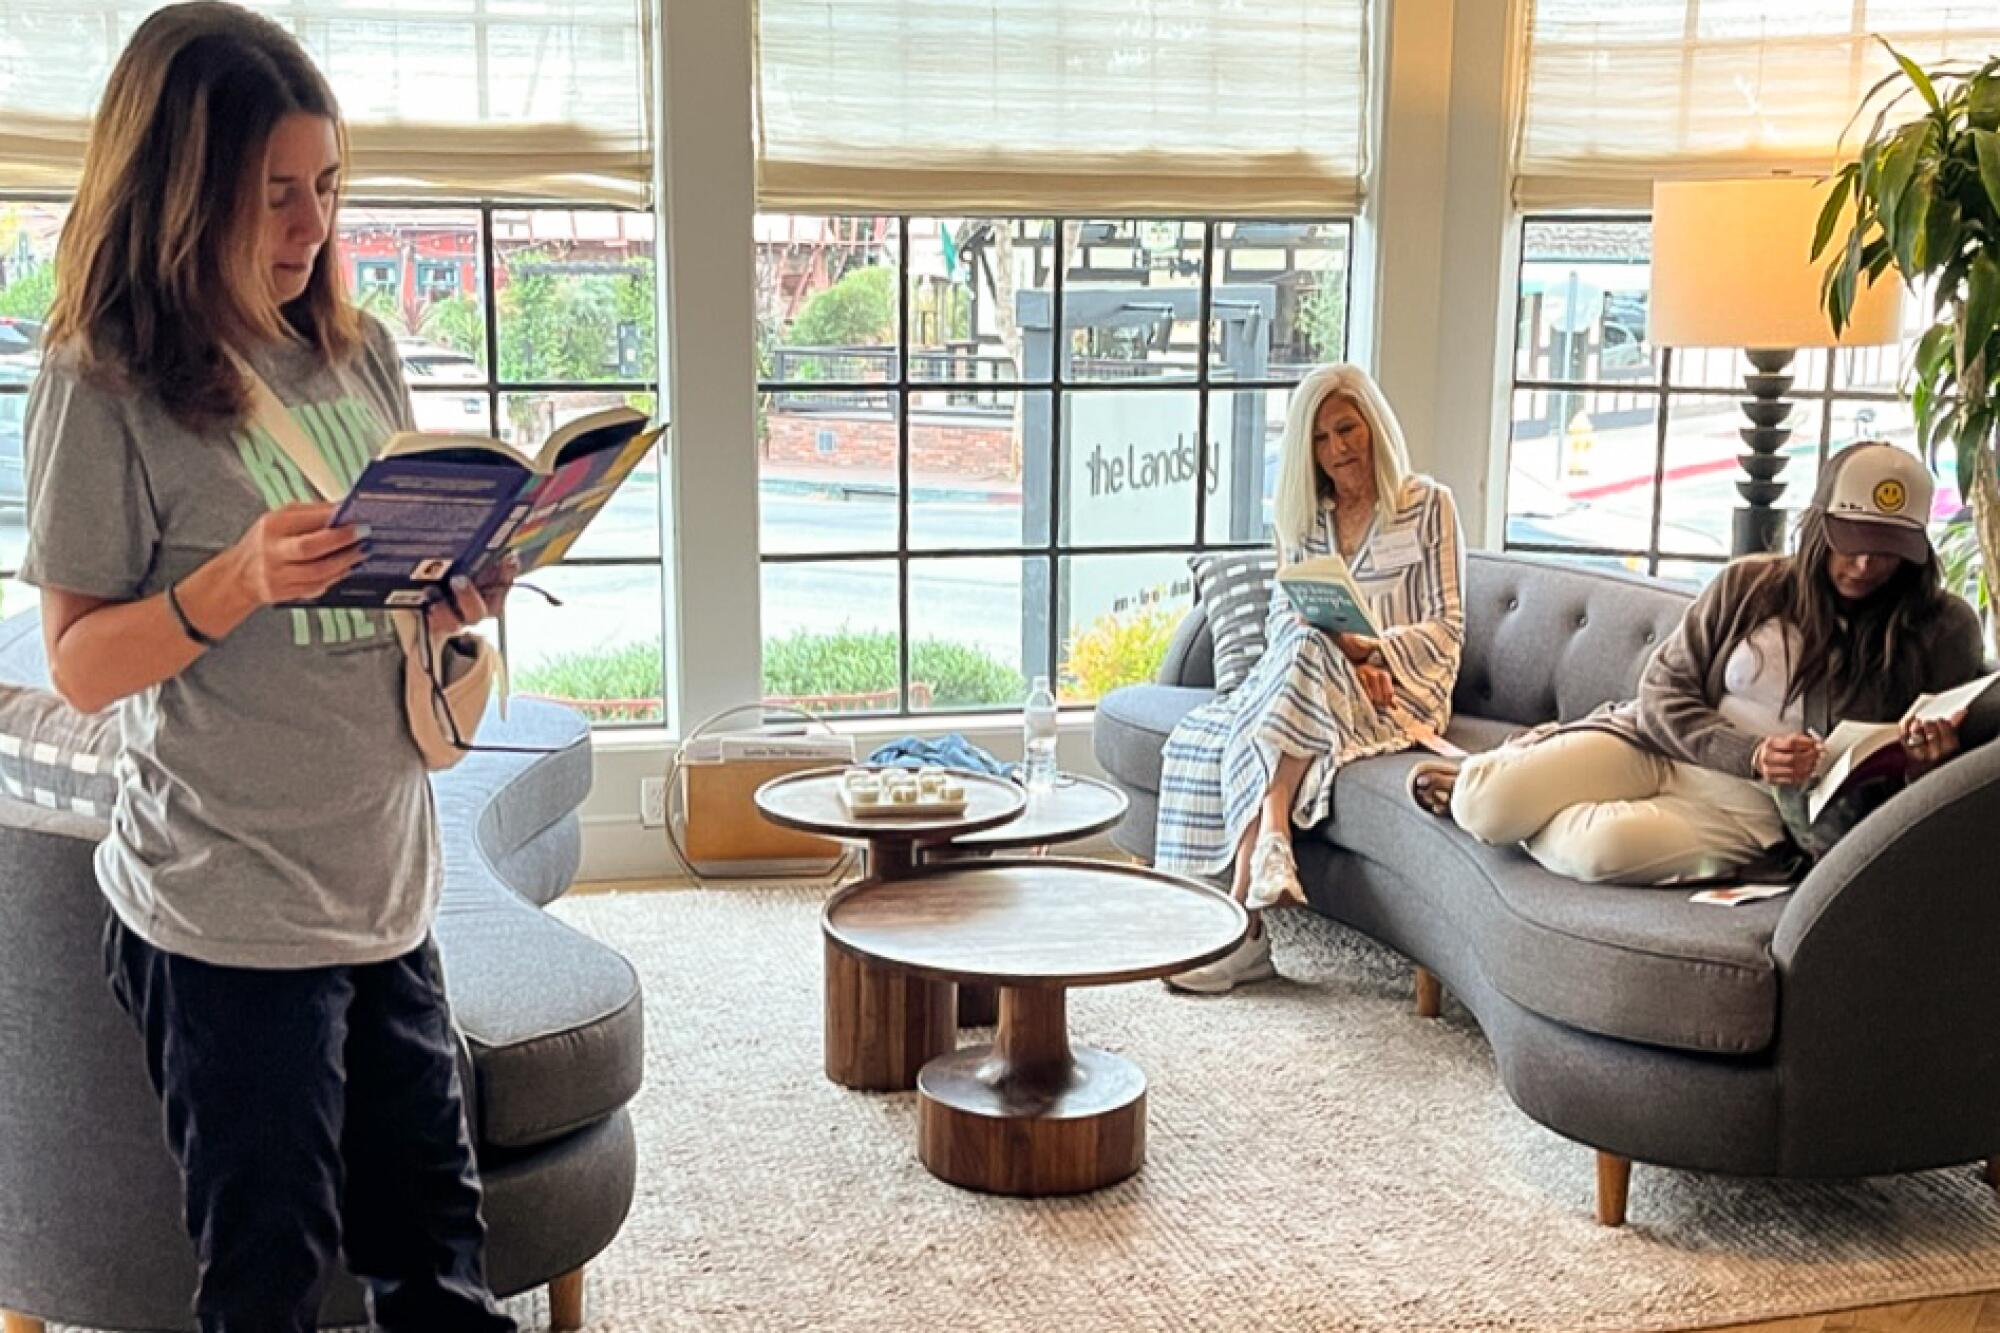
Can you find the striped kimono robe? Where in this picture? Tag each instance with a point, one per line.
(1303, 696)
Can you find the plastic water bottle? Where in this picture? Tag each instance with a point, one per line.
(1038, 737)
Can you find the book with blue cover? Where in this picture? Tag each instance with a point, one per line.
(438, 506)
(1323, 591)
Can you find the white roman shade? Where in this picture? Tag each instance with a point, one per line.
(1046, 106)
(1619, 95)
(463, 99)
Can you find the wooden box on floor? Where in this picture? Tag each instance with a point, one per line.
(725, 836)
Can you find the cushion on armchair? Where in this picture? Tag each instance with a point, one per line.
(55, 757)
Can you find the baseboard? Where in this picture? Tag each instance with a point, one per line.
(616, 851)
(617, 847)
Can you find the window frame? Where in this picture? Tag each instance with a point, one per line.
(492, 387)
(1059, 386)
(1662, 389)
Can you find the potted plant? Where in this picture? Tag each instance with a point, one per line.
(1926, 201)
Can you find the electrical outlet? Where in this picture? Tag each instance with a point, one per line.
(653, 802)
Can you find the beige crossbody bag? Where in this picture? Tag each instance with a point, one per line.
(443, 697)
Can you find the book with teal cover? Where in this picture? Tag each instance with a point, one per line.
(1323, 591)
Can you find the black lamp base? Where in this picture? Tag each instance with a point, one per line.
(1759, 524)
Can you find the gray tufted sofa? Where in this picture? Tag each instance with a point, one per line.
(1851, 1028)
(552, 1035)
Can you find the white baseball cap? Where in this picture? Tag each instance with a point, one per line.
(1877, 501)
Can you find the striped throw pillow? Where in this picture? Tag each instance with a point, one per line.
(54, 757)
(1235, 589)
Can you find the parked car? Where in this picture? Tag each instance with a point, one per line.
(16, 371)
(19, 337)
(426, 364)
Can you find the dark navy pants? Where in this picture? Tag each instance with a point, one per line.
(314, 1112)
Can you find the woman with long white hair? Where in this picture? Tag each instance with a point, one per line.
(1245, 767)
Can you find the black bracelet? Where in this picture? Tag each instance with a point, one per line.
(180, 614)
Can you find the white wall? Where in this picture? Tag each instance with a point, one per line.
(1433, 312)
(1446, 270)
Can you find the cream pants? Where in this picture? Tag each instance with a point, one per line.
(1591, 806)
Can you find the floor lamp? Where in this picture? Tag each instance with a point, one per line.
(1731, 268)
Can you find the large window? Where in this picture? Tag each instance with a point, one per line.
(987, 445)
(1625, 454)
(507, 320)
(28, 232)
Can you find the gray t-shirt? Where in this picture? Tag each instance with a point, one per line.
(272, 809)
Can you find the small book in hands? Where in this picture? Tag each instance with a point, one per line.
(1324, 592)
(1859, 752)
(440, 506)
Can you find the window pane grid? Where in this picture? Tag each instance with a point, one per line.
(599, 586)
(1163, 345)
(1589, 274)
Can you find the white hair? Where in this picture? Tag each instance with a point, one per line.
(1296, 505)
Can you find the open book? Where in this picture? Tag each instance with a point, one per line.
(438, 506)
(1857, 751)
(1324, 593)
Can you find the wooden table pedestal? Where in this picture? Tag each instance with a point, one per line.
(1030, 1114)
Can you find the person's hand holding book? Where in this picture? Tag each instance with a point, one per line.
(1377, 684)
(291, 553)
(1788, 761)
(466, 603)
(1357, 648)
(1931, 742)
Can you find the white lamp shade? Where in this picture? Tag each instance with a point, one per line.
(1732, 267)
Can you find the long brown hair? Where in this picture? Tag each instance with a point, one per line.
(1842, 645)
(159, 266)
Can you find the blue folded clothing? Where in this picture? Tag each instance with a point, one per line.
(950, 751)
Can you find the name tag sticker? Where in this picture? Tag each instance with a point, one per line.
(1396, 550)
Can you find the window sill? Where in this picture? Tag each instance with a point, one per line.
(622, 739)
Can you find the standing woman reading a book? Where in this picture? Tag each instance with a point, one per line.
(273, 866)
(1691, 780)
(1243, 768)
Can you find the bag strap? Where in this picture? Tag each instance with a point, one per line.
(268, 411)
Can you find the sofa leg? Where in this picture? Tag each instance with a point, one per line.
(566, 1302)
(20, 1323)
(1614, 1182)
(1430, 994)
(1993, 1172)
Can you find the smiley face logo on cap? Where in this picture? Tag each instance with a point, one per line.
(1890, 496)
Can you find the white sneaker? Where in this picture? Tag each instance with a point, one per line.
(1274, 874)
(1250, 963)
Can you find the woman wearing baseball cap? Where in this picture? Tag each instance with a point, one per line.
(1689, 780)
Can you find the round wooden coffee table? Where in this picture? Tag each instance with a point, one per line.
(1030, 1113)
(810, 802)
(882, 1024)
(1077, 807)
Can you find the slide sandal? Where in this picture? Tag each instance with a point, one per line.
(1429, 799)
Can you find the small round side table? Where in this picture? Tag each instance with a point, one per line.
(882, 1024)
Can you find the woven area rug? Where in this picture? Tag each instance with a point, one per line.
(1320, 1159)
